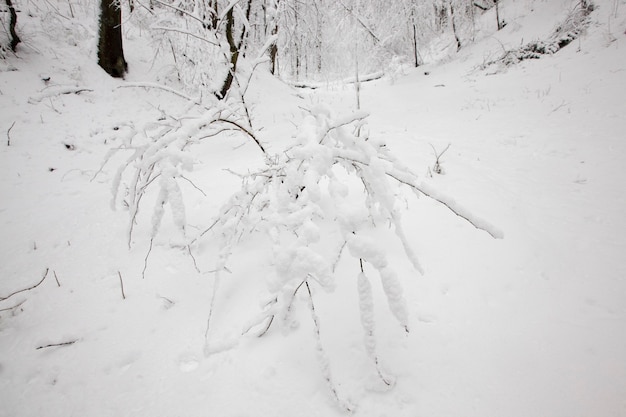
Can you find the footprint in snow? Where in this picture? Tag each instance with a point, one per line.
(188, 363)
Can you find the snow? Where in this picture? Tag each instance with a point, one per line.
(532, 324)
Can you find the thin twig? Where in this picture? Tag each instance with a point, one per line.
(193, 185)
(322, 352)
(195, 264)
(14, 307)
(182, 11)
(121, 284)
(57, 91)
(184, 32)
(8, 134)
(246, 131)
(145, 261)
(161, 87)
(207, 230)
(56, 278)
(26, 289)
(71, 342)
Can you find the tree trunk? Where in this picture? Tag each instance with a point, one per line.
(456, 35)
(273, 50)
(498, 15)
(110, 50)
(12, 22)
(415, 52)
(234, 47)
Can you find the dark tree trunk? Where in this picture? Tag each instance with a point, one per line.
(456, 35)
(110, 50)
(273, 49)
(500, 26)
(415, 51)
(234, 47)
(234, 54)
(12, 22)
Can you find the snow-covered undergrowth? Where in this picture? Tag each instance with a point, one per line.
(532, 324)
(565, 33)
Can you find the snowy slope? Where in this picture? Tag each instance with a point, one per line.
(530, 325)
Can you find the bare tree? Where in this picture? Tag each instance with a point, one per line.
(110, 49)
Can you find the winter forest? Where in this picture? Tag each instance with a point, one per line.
(253, 208)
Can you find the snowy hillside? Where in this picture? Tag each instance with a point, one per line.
(532, 324)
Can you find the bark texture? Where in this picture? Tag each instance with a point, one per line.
(110, 49)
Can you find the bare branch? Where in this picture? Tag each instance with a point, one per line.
(193, 185)
(185, 32)
(121, 284)
(71, 342)
(9, 134)
(57, 91)
(145, 261)
(183, 11)
(14, 307)
(244, 130)
(26, 289)
(161, 87)
(195, 264)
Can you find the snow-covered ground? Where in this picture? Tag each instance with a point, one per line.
(531, 325)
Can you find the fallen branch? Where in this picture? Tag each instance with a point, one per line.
(26, 289)
(9, 134)
(57, 91)
(161, 87)
(71, 342)
(14, 307)
(121, 285)
(350, 80)
(145, 261)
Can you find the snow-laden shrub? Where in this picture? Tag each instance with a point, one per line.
(302, 204)
(316, 202)
(567, 31)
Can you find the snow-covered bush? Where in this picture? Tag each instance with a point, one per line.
(303, 205)
(569, 30)
(318, 201)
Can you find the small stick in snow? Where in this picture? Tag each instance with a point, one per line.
(9, 134)
(121, 284)
(145, 261)
(322, 352)
(26, 289)
(14, 307)
(195, 264)
(193, 185)
(71, 342)
(57, 91)
(56, 278)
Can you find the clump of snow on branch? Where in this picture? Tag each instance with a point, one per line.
(159, 159)
(301, 204)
